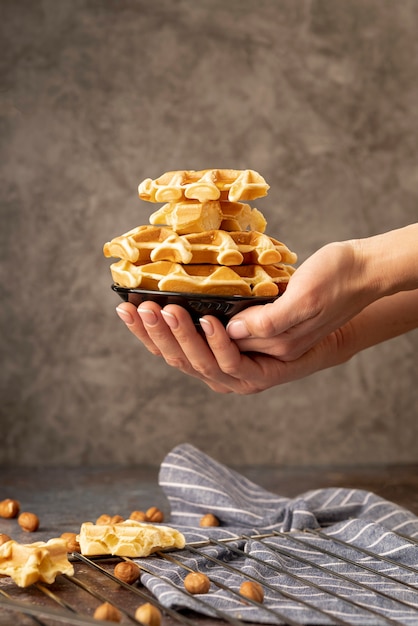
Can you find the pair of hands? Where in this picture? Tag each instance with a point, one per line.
(310, 327)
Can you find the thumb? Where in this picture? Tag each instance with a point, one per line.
(264, 321)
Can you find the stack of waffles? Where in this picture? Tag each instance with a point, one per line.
(204, 239)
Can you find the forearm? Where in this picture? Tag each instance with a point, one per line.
(389, 262)
(385, 319)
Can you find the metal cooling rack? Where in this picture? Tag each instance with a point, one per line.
(94, 583)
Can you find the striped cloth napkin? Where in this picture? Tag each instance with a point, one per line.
(314, 570)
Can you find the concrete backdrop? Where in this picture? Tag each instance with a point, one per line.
(320, 96)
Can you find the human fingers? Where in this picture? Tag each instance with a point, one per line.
(159, 324)
(147, 324)
(286, 346)
(196, 348)
(159, 334)
(128, 313)
(246, 373)
(216, 359)
(257, 321)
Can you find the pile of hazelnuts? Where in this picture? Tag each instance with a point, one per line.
(27, 521)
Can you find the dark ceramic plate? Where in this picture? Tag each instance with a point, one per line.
(222, 307)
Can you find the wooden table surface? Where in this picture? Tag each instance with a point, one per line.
(63, 498)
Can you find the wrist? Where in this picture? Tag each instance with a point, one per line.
(389, 262)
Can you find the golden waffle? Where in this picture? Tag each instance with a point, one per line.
(39, 561)
(153, 243)
(128, 538)
(240, 280)
(195, 217)
(203, 185)
(142, 244)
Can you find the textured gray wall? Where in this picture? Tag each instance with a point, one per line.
(320, 96)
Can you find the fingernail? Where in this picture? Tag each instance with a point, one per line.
(125, 316)
(237, 330)
(170, 319)
(148, 316)
(207, 327)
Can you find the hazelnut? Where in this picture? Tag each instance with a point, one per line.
(138, 516)
(71, 541)
(108, 613)
(127, 571)
(154, 515)
(196, 582)
(103, 520)
(148, 614)
(209, 520)
(9, 508)
(4, 538)
(252, 590)
(28, 521)
(116, 519)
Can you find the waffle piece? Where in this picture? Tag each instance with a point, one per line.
(266, 280)
(240, 216)
(239, 280)
(151, 243)
(189, 216)
(129, 538)
(196, 217)
(234, 248)
(212, 246)
(203, 185)
(144, 244)
(39, 561)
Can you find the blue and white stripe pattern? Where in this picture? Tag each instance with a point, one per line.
(315, 569)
